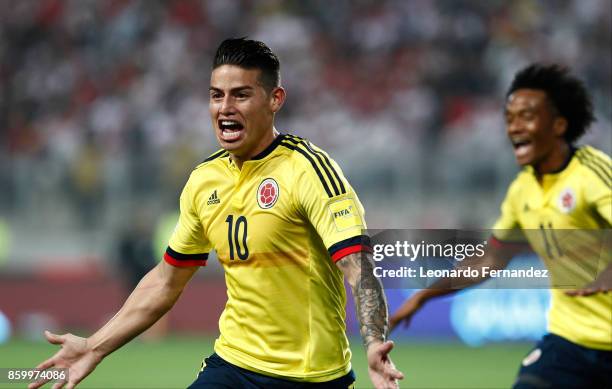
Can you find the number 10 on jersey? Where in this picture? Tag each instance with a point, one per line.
(234, 235)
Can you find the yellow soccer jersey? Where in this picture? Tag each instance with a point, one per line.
(565, 219)
(277, 226)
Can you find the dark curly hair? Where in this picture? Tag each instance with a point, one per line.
(567, 94)
(250, 54)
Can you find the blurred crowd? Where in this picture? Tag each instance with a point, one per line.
(104, 103)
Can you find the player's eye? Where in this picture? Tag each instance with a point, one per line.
(527, 115)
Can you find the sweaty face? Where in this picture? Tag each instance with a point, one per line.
(530, 126)
(241, 111)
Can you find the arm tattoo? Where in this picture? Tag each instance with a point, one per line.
(370, 302)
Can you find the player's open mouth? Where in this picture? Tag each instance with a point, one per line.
(521, 147)
(231, 130)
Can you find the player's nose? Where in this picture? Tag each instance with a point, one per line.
(227, 106)
(513, 127)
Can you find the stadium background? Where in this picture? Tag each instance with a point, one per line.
(103, 114)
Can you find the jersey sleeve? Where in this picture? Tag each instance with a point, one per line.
(188, 245)
(331, 205)
(507, 228)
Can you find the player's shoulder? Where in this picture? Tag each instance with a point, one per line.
(298, 150)
(301, 151)
(594, 152)
(595, 164)
(589, 156)
(207, 168)
(522, 178)
(211, 160)
(521, 185)
(315, 163)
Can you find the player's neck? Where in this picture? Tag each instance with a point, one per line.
(239, 160)
(556, 161)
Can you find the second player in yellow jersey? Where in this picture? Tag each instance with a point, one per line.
(566, 218)
(561, 205)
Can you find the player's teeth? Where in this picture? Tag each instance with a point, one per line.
(230, 135)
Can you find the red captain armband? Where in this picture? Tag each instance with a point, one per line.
(184, 260)
(349, 246)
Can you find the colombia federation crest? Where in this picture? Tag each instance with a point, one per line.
(567, 200)
(267, 193)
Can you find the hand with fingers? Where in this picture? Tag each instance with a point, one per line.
(588, 291)
(382, 371)
(602, 284)
(405, 312)
(75, 355)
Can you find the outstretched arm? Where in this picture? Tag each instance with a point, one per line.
(371, 309)
(495, 258)
(151, 299)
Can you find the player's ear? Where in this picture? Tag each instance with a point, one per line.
(277, 98)
(560, 126)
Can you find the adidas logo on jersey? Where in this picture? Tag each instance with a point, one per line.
(213, 199)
